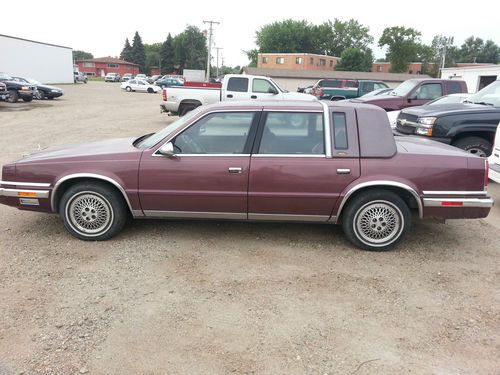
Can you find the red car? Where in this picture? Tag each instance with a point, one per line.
(325, 162)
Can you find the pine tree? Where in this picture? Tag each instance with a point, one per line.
(138, 54)
(126, 53)
(167, 56)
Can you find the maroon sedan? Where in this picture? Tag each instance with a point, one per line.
(329, 162)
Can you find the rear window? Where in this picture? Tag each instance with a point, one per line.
(237, 84)
(339, 131)
(330, 84)
(454, 87)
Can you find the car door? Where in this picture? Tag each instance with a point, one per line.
(237, 89)
(425, 93)
(299, 167)
(208, 175)
(141, 86)
(263, 89)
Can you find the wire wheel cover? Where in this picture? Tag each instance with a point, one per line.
(378, 222)
(89, 213)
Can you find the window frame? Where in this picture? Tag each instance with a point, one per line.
(334, 138)
(280, 60)
(298, 60)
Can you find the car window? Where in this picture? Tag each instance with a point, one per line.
(326, 83)
(217, 133)
(293, 133)
(379, 86)
(339, 131)
(454, 87)
(142, 83)
(133, 82)
(237, 84)
(429, 91)
(262, 86)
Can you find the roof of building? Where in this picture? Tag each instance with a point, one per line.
(34, 41)
(493, 67)
(107, 60)
(321, 74)
(296, 54)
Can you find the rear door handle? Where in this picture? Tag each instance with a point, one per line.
(234, 169)
(343, 171)
(253, 97)
(229, 95)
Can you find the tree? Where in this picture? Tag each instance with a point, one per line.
(341, 35)
(126, 53)
(490, 53)
(403, 46)
(167, 56)
(152, 52)
(137, 53)
(289, 36)
(82, 55)
(471, 49)
(190, 48)
(253, 56)
(356, 60)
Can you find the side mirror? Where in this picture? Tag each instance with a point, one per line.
(272, 90)
(167, 150)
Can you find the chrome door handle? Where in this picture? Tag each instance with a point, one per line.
(234, 169)
(343, 171)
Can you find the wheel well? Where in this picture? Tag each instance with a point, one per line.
(189, 102)
(61, 189)
(407, 197)
(489, 136)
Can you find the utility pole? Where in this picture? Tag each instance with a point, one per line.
(210, 32)
(218, 48)
(449, 41)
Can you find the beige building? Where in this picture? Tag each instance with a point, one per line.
(297, 61)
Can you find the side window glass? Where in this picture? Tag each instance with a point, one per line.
(429, 91)
(293, 133)
(237, 84)
(262, 86)
(133, 82)
(454, 87)
(217, 133)
(339, 131)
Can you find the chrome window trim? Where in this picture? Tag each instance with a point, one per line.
(5, 192)
(381, 183)
(288, 155)
(205, 155)
(293, 110)
(327, 131)
(451, 192)
(288, 217)
(195, 215)
(95, 176)
(34, 184)
(466, 202)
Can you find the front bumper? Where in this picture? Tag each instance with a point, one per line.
(396, 132)
(25, 195)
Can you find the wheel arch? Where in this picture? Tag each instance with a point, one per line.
(485, 133)
(64, 183)
(405, 191)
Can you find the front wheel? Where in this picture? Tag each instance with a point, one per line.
(27, 99)
(150, 90)
(128, 88)
(13, 96)
(92, 211)
(376, 220)
(474, 145)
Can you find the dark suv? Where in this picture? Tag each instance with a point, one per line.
(17, 90)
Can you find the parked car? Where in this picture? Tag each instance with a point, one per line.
(377, 92)
(339, 89)
(112, 77)
(447, 99)
(470, 125)
(305, 90)
(126, 77)
(79, 77)
(139, 85)
(494, 160)
(17, 90)
(154, 78)
(181, 100)
(312, 161)
(415, 92)
(169, 82)
(4, 94)
(142, 76)
(42, 91)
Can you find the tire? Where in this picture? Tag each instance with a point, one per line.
(13, 96)
(186, 108)
(27, 99)
(92, 211)
(128, 89)
(376, 220)
(474, 145)
(50, 98)
(150, 90)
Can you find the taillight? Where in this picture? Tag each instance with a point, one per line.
(164, 94)
(320, 92)
(486, 173)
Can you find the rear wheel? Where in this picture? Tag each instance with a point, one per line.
(186, 108)
(377, 220)
(150, 90)
(27, 99)
(128, 88)
(13, 96)
(40, 95)
(474, 145)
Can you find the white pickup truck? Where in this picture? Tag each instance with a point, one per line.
(182, 99)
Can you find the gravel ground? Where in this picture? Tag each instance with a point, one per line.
(193, 297)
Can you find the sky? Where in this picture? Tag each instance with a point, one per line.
(100, 27)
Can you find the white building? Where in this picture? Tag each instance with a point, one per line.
(44, 62)
(476, 77)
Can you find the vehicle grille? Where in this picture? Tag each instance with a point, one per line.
(400, 123)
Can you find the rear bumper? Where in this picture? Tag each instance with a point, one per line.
(459, 202)
(456, 204)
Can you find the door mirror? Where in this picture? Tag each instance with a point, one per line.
(167, 150)
(272, 90)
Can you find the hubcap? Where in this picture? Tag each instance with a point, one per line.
(378, 223)
(477, 151)
(89, 213)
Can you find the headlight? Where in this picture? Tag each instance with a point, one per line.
(54, 90)
(24, 88)
(427, 120)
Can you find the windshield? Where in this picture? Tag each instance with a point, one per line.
(490, 95)
(5, 76)
(153, 139)
(404, 88)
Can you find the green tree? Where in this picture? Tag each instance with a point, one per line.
(288, 36)
(167, 56)
(152, 52)
(253, 56)
(356, 60)
(471, 49)
(82, 55)
(403, 46)
(126, 53)
(190, 48)
(138, 53)
(490, 53)
(341, 35)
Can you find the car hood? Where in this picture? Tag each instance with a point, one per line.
(452, 108)
(112, 149)
(47, 87)
(377, 99)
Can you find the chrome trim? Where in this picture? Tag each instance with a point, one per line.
(287, 217)
(450, 192)
(34, 184)
(137, 213)
(381, 183)
(4, 192)
(198, 155)
(466, 202)
(90, 175)
(234, 169)
(29, 201)
(293, 110)
(327, 131)
(343, 171)
(289, 156)
(195, 215)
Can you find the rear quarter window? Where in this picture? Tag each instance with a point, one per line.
(454, 87)
(237, 84)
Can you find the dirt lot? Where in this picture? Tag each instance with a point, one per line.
(192, 297)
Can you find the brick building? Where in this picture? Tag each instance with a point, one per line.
(297, 61)
(413, 68)
(103, 65)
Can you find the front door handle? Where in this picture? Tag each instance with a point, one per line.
(343, 171)
(229, 95)
(253, 97)
(234, 169)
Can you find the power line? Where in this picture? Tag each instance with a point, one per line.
(209, 49)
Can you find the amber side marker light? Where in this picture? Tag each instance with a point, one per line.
(26, 194)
